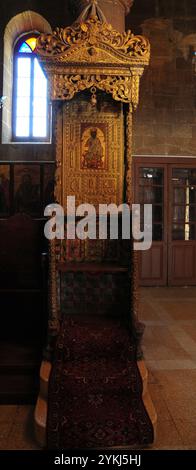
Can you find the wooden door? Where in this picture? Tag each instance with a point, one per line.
(182, 225)
(171, 189)
(151, 188)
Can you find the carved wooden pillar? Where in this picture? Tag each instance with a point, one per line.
(136, 326)
(53, 320)
(58, 113)
(53, 308)
(129, 190)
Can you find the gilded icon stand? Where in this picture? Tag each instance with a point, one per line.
(94, 76)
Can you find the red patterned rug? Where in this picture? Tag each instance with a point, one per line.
(95, 390)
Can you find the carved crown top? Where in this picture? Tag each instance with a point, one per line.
(91, 31)
(92, 54)
(127, 4)
(92, 10)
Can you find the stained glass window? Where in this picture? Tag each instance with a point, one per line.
(30, 103)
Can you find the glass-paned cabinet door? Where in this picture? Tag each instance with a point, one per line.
(151, 191)
(183, 204)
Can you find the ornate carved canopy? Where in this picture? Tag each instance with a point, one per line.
(90, 53)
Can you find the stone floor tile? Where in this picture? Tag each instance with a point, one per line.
(159, 403)
(187, 431)
(170, 365)
(168, 436)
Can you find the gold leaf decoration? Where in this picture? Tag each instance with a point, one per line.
(91, 53)
(89, 33)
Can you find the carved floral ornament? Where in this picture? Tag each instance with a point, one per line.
(91, 53)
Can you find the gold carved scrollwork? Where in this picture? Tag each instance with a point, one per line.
(135, 86)
(92, 53)
(90, 33)
(65, 87)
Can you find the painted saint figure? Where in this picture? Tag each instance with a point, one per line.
(93, 157)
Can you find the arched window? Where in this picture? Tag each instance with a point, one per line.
(30, 104)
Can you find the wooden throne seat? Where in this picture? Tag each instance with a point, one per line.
(94, 74)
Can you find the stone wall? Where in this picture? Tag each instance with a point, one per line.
(165, 122)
